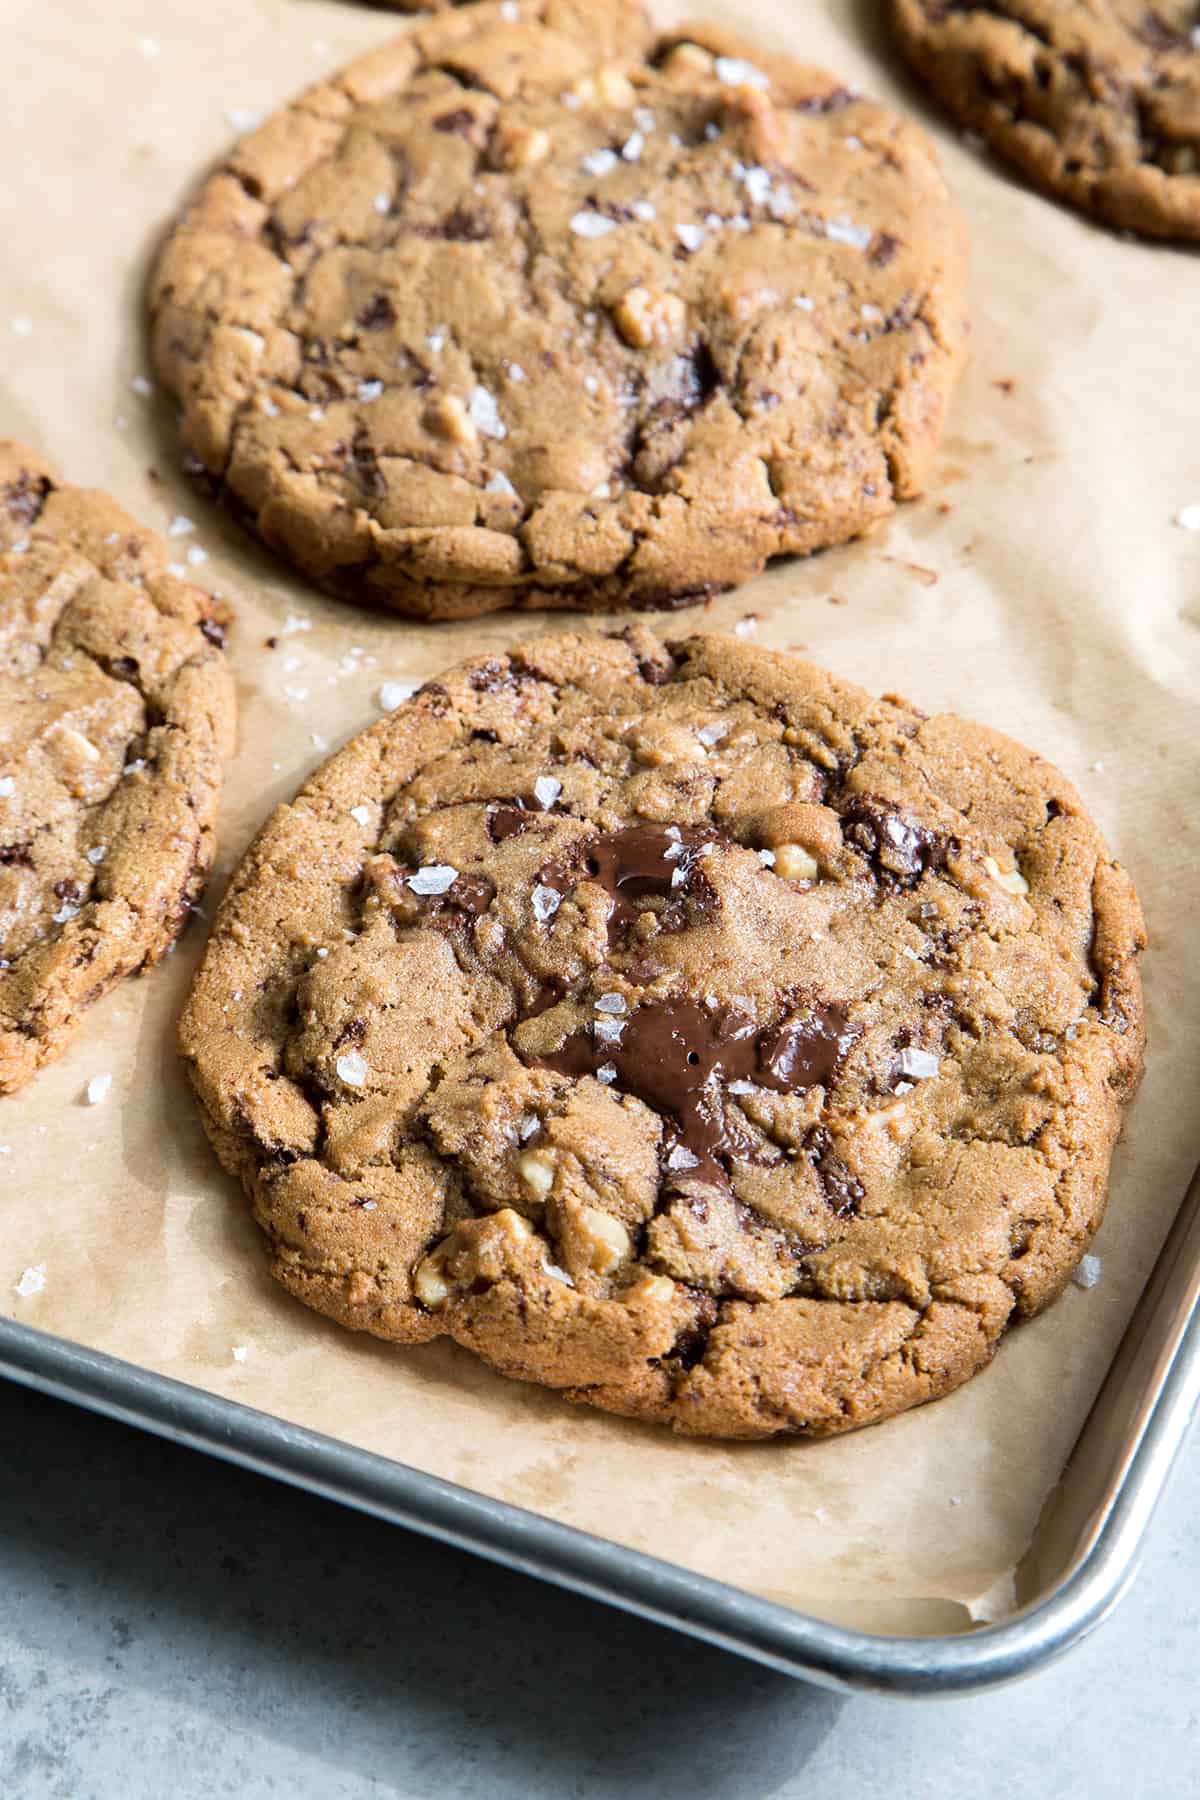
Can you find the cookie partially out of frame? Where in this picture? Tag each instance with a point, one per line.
(116, 717)
(1096, 101)
(680, 1028)
(530, 308)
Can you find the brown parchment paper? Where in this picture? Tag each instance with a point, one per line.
(1042, 587)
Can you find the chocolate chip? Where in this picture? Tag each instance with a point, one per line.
(843, 1191)
(466, 225)
(833, 100)
(898, 850)
(460, 121)
(377, 313)
(25, 497)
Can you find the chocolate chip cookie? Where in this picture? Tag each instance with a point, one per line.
(678, 1027)
(116, 716)
(529, 308)
(1096, 101)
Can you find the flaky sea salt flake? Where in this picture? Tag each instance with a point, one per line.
(756, 181)
(433, 878)
(546, 790)
(607, 1072)
(240, 1352)
(599, 162)
(394, 693)
(1088, 1272)
(243, 118)
(645, 210)
(682, 1158)
(1188, 517)
(21, 326)
(498, 483)
(361, 815)
(32, 1281)
(844, 231)
(733, 71)
(589, 224)
(610, 1003)
(919, 1064)
(196, 555)
(142, 386)
(481, 407)
(690, 236)
(7, 786)
(631, 149)
(97, 1090)
(546, 902)
(369, 391)
(352, 1069)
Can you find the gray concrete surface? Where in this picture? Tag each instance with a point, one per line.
(171, 1628)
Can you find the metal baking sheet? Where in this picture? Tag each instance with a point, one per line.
(1082, 1559)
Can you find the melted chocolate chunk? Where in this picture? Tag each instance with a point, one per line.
(377, 313)
(641, 863)
(471, 894)
(678, 1057)
(843, 1191)
(898, 851)
(506, 821)
(508, 818)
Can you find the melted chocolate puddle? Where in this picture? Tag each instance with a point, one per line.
(643, 862)
(678, 1057)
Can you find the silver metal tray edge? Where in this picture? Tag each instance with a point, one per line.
(1083, 1558)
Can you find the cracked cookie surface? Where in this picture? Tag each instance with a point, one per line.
(530, 308)
(1096, 101)
(116, 717)
(679, 1027)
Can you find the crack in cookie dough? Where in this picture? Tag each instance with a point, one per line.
(530, 308)
(116, 717)
(1096, 101)
(678, 1027)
